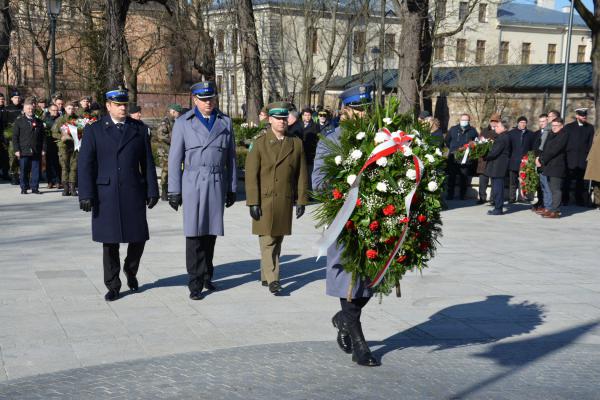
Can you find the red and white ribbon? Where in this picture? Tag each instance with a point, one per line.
(395, 142)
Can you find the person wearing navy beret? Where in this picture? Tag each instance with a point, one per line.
(204, 143)
(117, 181)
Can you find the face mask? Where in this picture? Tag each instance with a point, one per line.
(464, 124)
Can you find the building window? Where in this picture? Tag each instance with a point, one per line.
(234, 41)
(390, 45)
(461, 50)
(233, 83)
(438, 49)
(482, 12)
(581, 53)
(359, 44)
(480, 53)
(219, 84)
(220, 41)
(463, 10)
(551, 59)
(440, 9)
(525, 53)
(59, 66)
(503, 55)
(315, 41)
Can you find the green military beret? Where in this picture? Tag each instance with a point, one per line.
(175, 107)
(279, 109)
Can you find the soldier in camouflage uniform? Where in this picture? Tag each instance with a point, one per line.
(163, 138)
(66, 150)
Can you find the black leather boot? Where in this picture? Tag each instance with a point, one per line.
(66, 190)
(343, 337)
(73, 189)
(361, 354)
(165, 193)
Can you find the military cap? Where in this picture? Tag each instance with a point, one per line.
(57, 95)
(119, 96)
(88, 98)
(324, 113)
(175, 107)
(357, 96)
(204, 90)
(581, 111)
(279, 109)
(134, 108)
(15, 93)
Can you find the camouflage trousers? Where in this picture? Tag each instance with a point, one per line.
(68, 164)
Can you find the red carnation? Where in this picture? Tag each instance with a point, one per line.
(391, 240)
(424, 245)
(389, 210)
(337, 194)
(349, 225)
(523, 175)
(371, 254)
(373, 226)
(358, 202)
(466, 146)
(421, 218)
(417, 234)
(525, 158)
(402, 258)
(404, 220)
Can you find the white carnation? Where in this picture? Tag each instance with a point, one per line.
(407, 151)
(356, 154)
(338, 160)
(430, 158)
(432, 186)
(350, 179)
(382, 162)
(382, 186)
(387, 120)
(411, 174)
(381, 137)
(360, 135)
(438, 152)
(418, 141)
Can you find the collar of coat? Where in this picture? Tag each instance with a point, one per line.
(218, 112)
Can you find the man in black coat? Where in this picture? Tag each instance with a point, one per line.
(294, 124)
(117, 180)
(580, 137)
(13, 110)
(497, 162)
(4, 159)
(310, 138)
(554, 162)
(488, 133)
(29, 144)
(521, 140)
(457, 137)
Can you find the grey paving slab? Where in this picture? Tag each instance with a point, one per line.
(505, 305)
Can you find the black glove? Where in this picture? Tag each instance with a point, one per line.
(85, 205)
(175, 200)
(255, 212)
(230, 199)
(151, 201)
(299, 211)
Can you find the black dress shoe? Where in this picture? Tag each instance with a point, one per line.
(23, 191)
(265, 283)
(111, 295)
(196, 295)
(275, 287)
(343, 337)
(361, 354)
(480, 201)
(133, 283)
(495, 212)
(36, 191)
(208, 285)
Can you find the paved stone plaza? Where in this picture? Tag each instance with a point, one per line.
(510, 309)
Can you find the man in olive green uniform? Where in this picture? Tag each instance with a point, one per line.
(276, 179)
(163, 139)
(67, 154)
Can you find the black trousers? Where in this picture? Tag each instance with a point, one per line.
(112, 263)
(352, 310)
(462, 173)
(498, 193)
(52, 164)
(199, 252)
(556, 185)
(574, 174)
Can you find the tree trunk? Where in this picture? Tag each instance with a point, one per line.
(595, 56)
(250, 60)
(6, 27)
(46, 65)
(307, 77)
(413, 15)
(116, 17)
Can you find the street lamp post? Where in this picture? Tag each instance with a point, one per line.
(563, 100)
(54, 7)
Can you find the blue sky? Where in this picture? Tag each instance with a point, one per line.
(561, 3)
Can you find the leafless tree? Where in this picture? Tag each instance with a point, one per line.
(6, 26)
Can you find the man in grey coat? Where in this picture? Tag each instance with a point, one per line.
(350, 337)
(203, 141)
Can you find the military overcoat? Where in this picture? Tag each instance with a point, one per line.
(592, 170)
(117, 172)
(209, 171)
(276, 179)
(337, 279)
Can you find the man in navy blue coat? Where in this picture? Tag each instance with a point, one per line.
(521, 141)
(457, 137)
(350, 337)
(117, 180)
